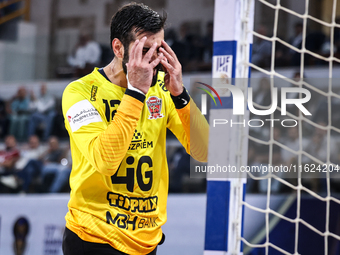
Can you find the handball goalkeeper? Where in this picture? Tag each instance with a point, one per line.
(117, 117)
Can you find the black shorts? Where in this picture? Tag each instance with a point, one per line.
(73, 245)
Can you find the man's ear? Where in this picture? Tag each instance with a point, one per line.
(118, 48)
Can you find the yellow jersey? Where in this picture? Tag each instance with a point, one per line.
(119, 177)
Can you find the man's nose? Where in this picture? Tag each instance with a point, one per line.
(155, 55)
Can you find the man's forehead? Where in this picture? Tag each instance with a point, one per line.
(151, 36)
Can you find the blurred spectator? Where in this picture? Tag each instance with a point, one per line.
(262, 49)
(195, 52)
(296, 41)
(335, 104)
(259, 155)
(294, 95)
(263, 96)
(19, 114)
(183, 32)
(293, 143)
(296, 77)
(29, 151)
(314, 43)
(276, 186)
(58, 128)
(311, 105)
(180, 180)
(39, 168)
(176, 171)
(43, 112)
(317, 147)
(194, 47)
(337, 38)
(282, 57)
(258, 161)
(207, 48)
(277, 135)
(177, 46)
(86, 55)
(61, 173)
(8, 158)
(4, 121)
(252, 161)
(106, 55)
(319, 109)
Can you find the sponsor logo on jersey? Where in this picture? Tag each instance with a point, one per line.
(128, 222)
(133, 204)
(155, 107)
(137, 142)
(94, 91)
(81, 114)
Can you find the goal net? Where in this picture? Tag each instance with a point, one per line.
(290, 204)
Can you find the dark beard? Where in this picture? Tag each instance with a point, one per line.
(159, 67)
(125, 60)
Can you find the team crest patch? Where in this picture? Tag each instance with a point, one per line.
(155, 107)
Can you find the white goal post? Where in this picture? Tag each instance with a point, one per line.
(228, 146)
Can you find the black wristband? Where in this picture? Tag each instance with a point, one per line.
(181, 100)
(135, 94)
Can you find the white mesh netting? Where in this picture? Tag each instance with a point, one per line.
(312, 144)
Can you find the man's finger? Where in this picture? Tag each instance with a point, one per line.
(139, 49)
(156, 61)
(169, 50)
(133, 49)
(150, 52)
(167, 65)
(171, 60)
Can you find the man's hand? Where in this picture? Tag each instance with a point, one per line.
(173, 76)
(140, 69)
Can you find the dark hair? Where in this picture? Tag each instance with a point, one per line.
(135, 17)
